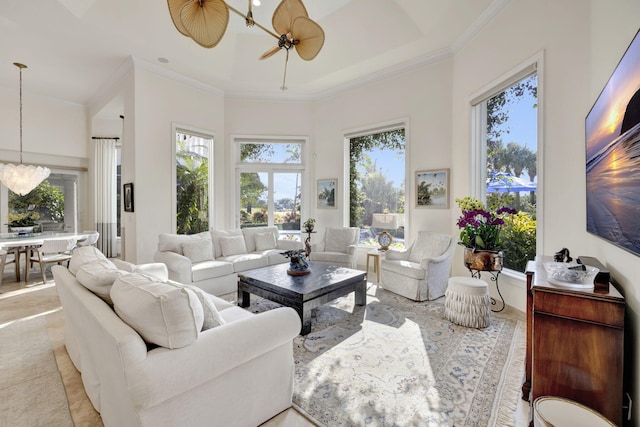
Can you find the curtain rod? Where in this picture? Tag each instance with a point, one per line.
(106, 137)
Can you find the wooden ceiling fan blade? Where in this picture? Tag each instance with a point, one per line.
(286, 12)
(270, 52)
(310, 37)
(206, 23)
(174, 11)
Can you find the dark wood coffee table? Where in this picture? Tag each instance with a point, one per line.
(302, 293)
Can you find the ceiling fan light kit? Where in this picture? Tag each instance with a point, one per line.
(205, 21)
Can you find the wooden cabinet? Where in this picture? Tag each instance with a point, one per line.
(575, 344)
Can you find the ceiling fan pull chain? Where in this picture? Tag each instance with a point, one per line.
(286, 61)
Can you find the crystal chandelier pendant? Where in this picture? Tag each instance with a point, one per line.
(22, 179)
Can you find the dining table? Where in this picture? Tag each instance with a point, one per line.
(20, 243)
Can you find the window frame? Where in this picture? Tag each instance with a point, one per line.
(478, 149)
(202, 133)
(270, 168)
(79, 179)
(344, 194)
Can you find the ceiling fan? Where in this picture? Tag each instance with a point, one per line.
(205, 21)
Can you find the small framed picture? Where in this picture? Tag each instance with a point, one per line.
(128, 197)
(432, 189)
(326, 195)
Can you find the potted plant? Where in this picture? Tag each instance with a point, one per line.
(309, 224)
(480, 234)
(22, 224)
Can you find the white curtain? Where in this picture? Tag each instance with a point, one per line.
(106, 197)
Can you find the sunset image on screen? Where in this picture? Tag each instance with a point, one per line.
(612, 131)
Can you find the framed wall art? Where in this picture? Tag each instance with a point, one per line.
(326, 193)
(128, 197)
(432, 189)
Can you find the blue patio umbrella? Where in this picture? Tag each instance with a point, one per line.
(503, 182)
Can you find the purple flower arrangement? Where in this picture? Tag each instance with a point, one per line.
(480, 228)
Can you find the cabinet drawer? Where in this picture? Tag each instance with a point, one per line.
(577, 307)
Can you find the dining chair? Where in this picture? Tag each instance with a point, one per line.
(91, 240)
(10, 256)
(51, 251)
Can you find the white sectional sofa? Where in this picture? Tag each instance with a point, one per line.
(212, 259)
(166, 354)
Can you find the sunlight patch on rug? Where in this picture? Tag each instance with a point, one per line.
(400, 362)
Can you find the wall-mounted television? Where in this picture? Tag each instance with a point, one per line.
(612, 129)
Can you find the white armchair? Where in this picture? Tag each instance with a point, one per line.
(420, 272)
(339, 247)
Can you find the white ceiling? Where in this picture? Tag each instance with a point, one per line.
(73, 47)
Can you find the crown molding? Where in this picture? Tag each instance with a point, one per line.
(28, 94)
(386, 73)
(487, 16)
(172, 75)
(109, 87)
(136, 63)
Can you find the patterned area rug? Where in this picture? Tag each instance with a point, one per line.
(397, 362)
(31, 390)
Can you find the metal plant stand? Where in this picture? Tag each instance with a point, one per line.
(307, 242)
(494, 274)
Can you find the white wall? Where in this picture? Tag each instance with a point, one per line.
(559, 31)
(581, 46)
(158, 102)
(421, 96)
(265, 118)
(50, 127)
(54, 134)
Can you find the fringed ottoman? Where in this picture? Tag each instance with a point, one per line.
(467, 302)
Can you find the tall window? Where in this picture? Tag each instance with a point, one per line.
(193, 181)
(507, 128)
(376, 185)
(270, 177)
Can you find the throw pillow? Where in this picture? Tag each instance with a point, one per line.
(265, 241)
(162, 313)
(198, 250)
(173, 242)
(212, 316)
(98, 276)
(156, 270)
(216, 235)
(82, 255)
(429, 245)
(232, 245)
(126, 266)
(338, 239)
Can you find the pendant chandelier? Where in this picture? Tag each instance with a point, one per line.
(21, 179)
